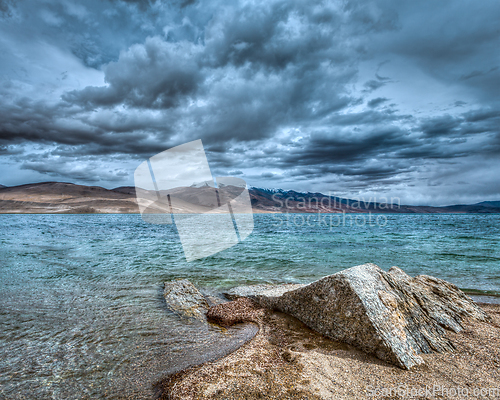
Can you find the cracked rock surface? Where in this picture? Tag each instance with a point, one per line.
(387, 314)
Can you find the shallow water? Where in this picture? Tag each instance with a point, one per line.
(81, 303)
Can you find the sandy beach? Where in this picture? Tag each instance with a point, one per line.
(287, 360)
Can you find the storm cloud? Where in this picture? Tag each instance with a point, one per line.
(352, 97)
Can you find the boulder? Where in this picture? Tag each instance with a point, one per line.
(185, 299)
(388, 314)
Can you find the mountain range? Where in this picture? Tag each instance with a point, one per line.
(60, 197)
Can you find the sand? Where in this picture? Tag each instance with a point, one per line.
(286, 360)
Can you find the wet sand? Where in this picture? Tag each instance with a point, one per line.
(287, 360)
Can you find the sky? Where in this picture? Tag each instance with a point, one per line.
(361, 99)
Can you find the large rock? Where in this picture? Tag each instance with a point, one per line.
(185, 299)
(388, 314)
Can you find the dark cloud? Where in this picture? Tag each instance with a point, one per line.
(444, 125)
(446, 52)
(376, 102)
(83, 173)
(157, 74)
(5, 7)
(372, 85)
(476, 73)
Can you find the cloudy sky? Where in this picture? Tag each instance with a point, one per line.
(358, 98)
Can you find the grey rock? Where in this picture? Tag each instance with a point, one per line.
(266, 290)
(185, 299)
(388, 314)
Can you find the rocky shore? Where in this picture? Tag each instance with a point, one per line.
(360, 333)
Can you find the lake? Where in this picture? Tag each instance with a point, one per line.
(81, 302)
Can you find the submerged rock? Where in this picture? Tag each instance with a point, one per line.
(185, 299)
(388, 314)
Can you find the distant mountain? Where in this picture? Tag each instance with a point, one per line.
(60, 197)
(279, 200)
(2, 186)
(495, 204)
(125, 190)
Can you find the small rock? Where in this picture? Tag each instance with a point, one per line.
(185, 299)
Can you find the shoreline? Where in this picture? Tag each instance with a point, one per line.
(287, 360)
(483, 298)
(257, 211)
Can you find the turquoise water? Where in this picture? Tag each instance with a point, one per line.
(81, 302)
